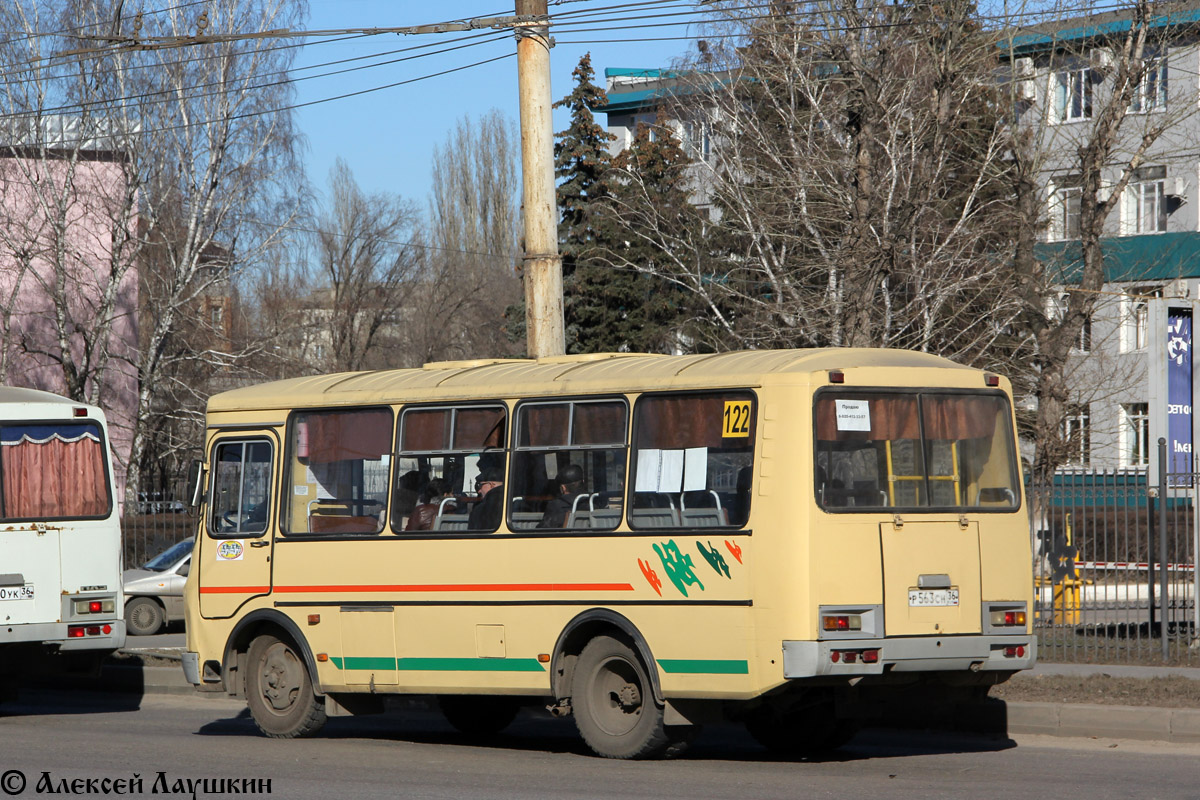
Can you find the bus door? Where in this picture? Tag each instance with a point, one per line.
(234, 560)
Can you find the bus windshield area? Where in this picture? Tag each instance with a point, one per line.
(915, 450)
(53, 471)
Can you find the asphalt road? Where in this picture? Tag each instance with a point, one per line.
(80, 736)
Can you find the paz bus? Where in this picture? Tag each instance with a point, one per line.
(60, 537)
(778, 537)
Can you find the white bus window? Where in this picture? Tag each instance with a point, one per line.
(450, 460)
(337, 471)
(693, 457)
(53, 471)
(569, 465)
(914, 450)
(241, 488)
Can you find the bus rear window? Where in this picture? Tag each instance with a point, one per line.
(915, 450)
(53, 471)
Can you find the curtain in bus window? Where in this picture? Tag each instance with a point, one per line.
(351, 435)
(545, 425)
(678, 422)
(53, 471)
(892, 417)
(426, 430)
(479, 428)
(599, 423)
(958, 416)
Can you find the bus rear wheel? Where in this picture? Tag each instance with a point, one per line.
(614, 708)
(279, 691)
(478, 716)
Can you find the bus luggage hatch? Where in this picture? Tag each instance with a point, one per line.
(931, 581)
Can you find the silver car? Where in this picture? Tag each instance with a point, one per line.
(154, 593)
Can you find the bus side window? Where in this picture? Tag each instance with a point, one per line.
(693, 460)
(337, 471)
(241, 488)
(569, 465)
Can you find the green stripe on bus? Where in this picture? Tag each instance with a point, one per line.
(470, 664)
(704, 666)
(439, 664)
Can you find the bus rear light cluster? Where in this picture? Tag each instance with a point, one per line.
(841, 622)
(853, 656)
(1014, 651)
(79, 631)
(94, 606)
(1008, 619)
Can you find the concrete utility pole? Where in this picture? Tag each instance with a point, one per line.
(543, 267)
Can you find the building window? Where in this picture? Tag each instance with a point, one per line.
(1135, 317)
(1145, 203)
(1077, 436)
(1135, 435)
(1151, 92)
(1073, 94)
(1064, 211)
(697, 137)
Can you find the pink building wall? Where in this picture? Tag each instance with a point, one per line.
(85, 202)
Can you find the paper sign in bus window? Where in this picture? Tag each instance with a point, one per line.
(659, 470)
(695, 469)
(853, 415)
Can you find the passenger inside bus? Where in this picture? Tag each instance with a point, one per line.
(569, 483)
(487, 512)
(432, 496)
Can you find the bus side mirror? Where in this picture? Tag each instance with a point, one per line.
(195, 482)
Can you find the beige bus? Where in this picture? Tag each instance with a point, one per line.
(643, 542)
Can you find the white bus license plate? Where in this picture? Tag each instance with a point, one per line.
(933, 597)
(17, 592)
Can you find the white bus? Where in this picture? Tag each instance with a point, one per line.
(60, 537)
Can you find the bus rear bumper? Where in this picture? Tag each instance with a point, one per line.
(55, 635)
(850, 657)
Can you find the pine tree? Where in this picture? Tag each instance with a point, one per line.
(627, 309)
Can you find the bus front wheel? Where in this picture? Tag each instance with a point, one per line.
(279, 691)
(614, 707)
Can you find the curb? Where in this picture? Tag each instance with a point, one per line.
(1080, 720)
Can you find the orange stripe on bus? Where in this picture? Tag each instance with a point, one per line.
(234, 589)
(466, 587)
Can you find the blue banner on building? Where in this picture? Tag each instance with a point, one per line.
(1179, 396)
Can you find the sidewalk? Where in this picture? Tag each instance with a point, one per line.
(1179, 725)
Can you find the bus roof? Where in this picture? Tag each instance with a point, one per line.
(561, 375)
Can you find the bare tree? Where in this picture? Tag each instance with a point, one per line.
(1093, 112)
(855, 179)
(471, 264)
(367, 259)
(203, 184)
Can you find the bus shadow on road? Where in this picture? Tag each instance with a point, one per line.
(36, 701)
(535, 731)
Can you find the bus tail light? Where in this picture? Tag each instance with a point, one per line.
(1014, 651)
(841, 622)
(74, 631)
(94, 606)
(870, 656)
(1008, 619)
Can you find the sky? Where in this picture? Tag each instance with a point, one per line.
(388, 136)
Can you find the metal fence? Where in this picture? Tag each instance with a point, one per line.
(1115, 567)
(158, 520)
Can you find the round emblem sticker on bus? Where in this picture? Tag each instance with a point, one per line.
(229, 551)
